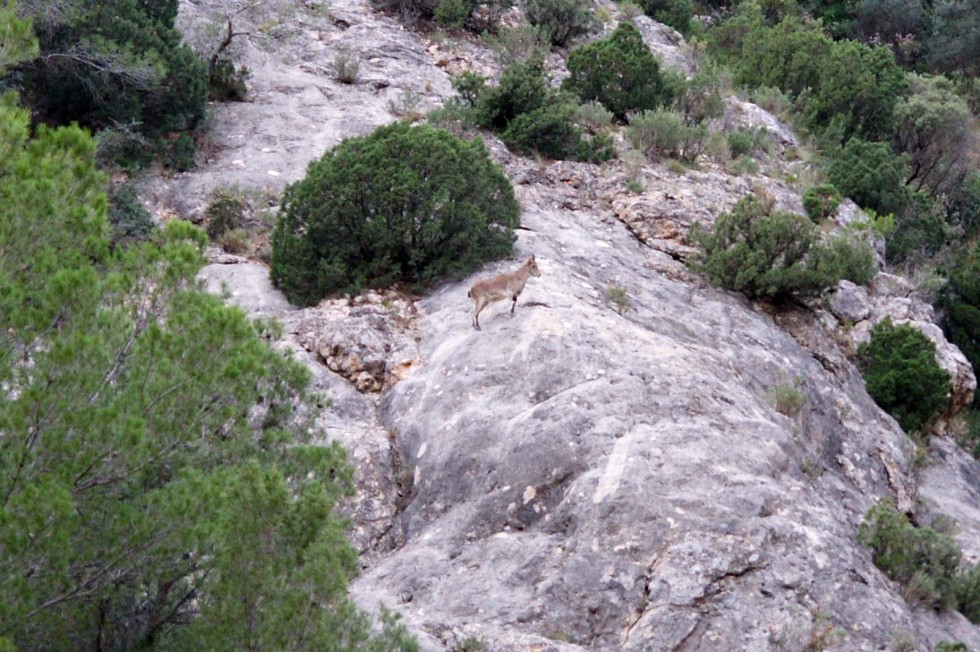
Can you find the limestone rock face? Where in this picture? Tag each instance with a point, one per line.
(583, 476)
(369, 340)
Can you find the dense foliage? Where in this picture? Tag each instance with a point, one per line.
(530, 117)
(902, 375)
(561, 20)
(961, 300)
(401, 205)
(771, 254)
(114, 63)
(925, 561)
(675, 13)
(618, 71)
(146, 438)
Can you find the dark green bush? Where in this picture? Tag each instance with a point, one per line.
(448, 13)
(857, 87)
(771, 254)
(961, 301)
(453, 13)
(401, 205)
(902, 375)
(470, 87)
(523, 88)
(227, 83)
(821, 201)
(561, 20)
(921, 559)
(115, 63)
(967, 594)
(551, 131)
(130, 220)
(619, 71)
(786, 56)
(178, 154)
(951, 646)
(675, 13)
(871, 174)
(920, 232)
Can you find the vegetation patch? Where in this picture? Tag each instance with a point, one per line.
(902, 375)
(404, 205)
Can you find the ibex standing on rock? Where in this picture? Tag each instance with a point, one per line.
(505, 286)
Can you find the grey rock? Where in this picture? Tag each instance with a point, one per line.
(850, 302)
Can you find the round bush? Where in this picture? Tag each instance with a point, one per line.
(618, 71)
(902, 375)
(401, 205)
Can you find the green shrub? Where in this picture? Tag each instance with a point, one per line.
(858, 87)
(401, 205)
(470, 86)
(967, 594)
(698, 98)
(665, 133)
(951, 646)
(616, 295)
(787, 399)
(225, 212)
(114, 63)
(593, 117)
(453, 13)
(902, 375)
(920, 232)
(921, 559)
(821, 201)
(759, 252)
(234, 241)
(739, 143)
(178, 154)
(520, 43)
(871, 174)
(675, 13)
(619, 71)
(561, 20)
(786, 56)
(523, 88)
(960, 300)
(130, 220)
(843, 256)
(227, 83)
(551, 131)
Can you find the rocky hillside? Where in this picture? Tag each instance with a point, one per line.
(589, 474)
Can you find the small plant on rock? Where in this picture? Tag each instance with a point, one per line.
(616, 296)
(347, 66)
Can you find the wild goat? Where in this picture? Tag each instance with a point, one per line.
(504, 286)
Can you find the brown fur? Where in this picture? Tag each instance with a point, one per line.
(504, 286)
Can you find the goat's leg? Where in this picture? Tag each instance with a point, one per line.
(513, 305)
(476, 316)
